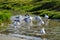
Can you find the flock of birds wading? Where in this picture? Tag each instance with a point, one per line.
(27, 21)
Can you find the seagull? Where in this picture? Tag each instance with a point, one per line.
(39, 20)
(46, 19)
(46, 16)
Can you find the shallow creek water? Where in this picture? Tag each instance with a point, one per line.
(52, 31)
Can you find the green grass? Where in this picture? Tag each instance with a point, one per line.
(4, 16)
(41, 7)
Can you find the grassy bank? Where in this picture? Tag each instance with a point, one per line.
(50, 7)
(4, 19)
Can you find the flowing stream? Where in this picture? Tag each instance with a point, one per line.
(33, 32)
